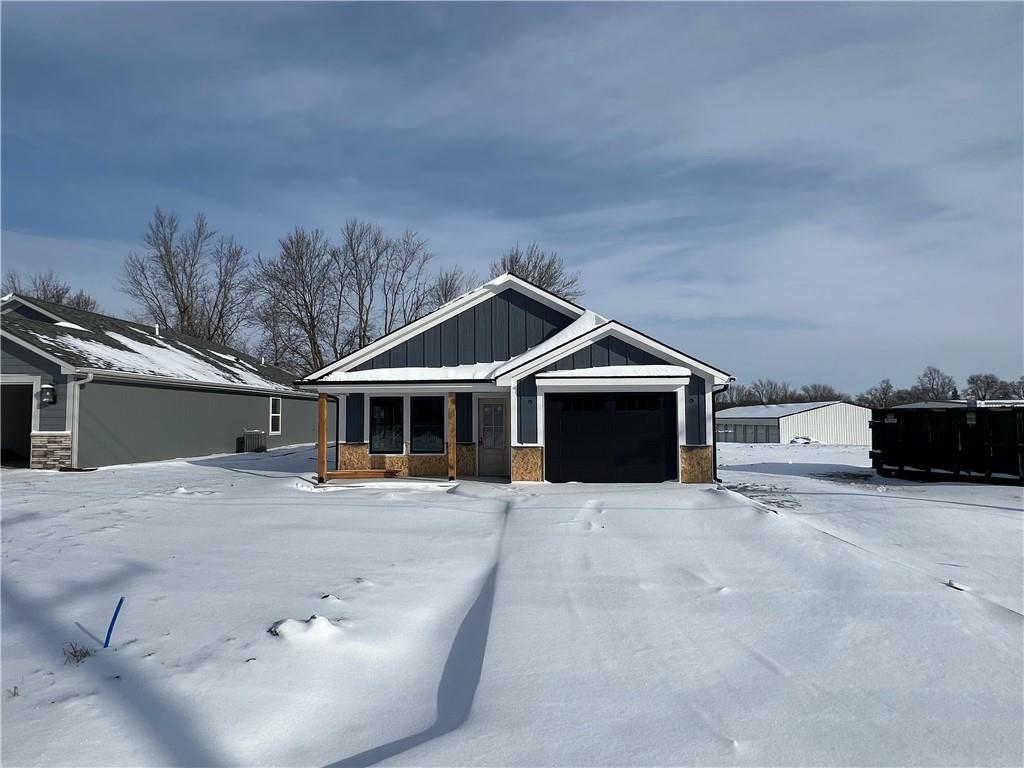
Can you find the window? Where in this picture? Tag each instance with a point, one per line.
(386, 425)
(427, 424)
(275, 415)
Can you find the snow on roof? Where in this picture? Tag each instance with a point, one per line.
(771, 411)
(619, 372)
(157, 357)
(476, 372)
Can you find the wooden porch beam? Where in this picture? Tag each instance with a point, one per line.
(451, 436)
(321, 438)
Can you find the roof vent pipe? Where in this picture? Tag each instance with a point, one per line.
(156, 329)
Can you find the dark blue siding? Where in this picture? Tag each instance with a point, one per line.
(354, 418)
(497, 329)
(526, 390)
(696, 428)
(464, 417)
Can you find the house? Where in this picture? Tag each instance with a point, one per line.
(512, 381)
(833, 422)
(81, 389)
(975, 440)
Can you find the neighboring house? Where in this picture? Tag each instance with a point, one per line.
(833, 422)
(81, 390)
(510, 380)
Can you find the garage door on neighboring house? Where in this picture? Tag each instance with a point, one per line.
(610, 438)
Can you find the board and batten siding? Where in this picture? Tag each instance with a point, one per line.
(126, 422)
(15, 359)
(604, 352)
(837, 424)
(499, 328)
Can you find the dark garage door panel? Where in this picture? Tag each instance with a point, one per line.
(610, 438)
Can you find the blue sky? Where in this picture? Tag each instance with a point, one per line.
(811, 192)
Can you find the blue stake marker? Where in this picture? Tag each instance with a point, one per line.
(113, 618)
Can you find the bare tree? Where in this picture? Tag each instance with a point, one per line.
(933, 384)
(188, 281)
(737, 394)
(882, 395)
(987, 386)
(819, 393)
(769, 391)
(405, 284)
(361, 255)
(300, 314)
(450, 284)
(46, 286)
(1016, 391)
(545, 269)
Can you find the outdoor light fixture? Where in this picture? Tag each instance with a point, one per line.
(48, 394)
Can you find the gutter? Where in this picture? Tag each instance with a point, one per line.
(714, 429)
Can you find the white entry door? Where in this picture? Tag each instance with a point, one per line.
(492, 438)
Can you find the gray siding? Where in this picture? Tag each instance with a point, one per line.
(123, 422)
(603, 352)
(16, 359)
(503, 326)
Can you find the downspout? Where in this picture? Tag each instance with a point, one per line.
(76, 389)
(714, 429)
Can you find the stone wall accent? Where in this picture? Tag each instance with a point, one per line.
(465, 458)
(527, 463)
(51, 451)
(695, 464)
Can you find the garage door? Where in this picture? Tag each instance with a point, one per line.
(610, 438)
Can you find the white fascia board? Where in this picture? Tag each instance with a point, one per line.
(9, 304)
(64, 367)
(415, 388)
(616, 384)
(439, 315)
(611, 328)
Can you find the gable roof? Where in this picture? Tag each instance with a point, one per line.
(442, 313)
(585, 324)
(92, 342)
(774, 411)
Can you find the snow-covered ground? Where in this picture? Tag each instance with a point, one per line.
(511, 625)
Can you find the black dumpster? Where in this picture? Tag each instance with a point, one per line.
(959, 440)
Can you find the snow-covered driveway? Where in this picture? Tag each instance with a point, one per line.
(495, 625)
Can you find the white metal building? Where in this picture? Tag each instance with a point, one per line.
(833, 422)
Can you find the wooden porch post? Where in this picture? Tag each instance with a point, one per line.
(321, 438)
(451, 435)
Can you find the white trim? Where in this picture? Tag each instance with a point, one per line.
(104, 373)
(64, 367)
(680, 430)
(598, 384)
(439, 315)
(513, 410)
(393, 388)
(280, 415)
(610, 328)
(9, 306)
(36, 382)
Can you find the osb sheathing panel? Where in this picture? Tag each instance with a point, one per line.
(355, 456)
(527, 463)
(433, 465)
(465, 456)
(695, 464)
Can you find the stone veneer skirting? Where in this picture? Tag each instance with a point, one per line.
(695, 464)
(527, 463)
(51, 451)
(358, 456)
